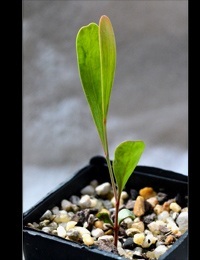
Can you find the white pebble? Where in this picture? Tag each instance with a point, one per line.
(93, 202)
(149, 240)
(139, 238)
(160, 250)
(184, 209)
(172, 225)
(61, 231)
(182, 221)
(81, 230)
(128, 221)
(130, 232)
(94, 183)
(163, 215)
(137, 251)
(53, 225)
(63, 224)
(62, 217)
(85, 202)
(107, 237)
(55, 210)
(46, 215)
(97, 232)
(88, 190)
(175, 207)
(70, 225)
(124, 195)
(154, 226)
(103, 189)
(139, 225)
(87, 239)
(150, 255)
(47, 229)
(66, 205)
(174, 215)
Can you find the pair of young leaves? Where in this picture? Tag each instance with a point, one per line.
(96, 57)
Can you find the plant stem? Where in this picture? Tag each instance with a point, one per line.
(116, 195)
(117, 200)
(116, 225)
(106, 152)
(111, 175)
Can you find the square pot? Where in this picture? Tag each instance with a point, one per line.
(38, 245)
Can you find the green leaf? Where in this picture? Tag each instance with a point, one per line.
(104, 217)
(108, 60)
(96, 58)
(125, 213)
(126, 158)
(88, 59)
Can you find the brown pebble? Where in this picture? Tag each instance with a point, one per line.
(166, 204)
(108, 232)
(153, 201)
(158, 209)
(98, 224)
(169, 240)
(147, 192)
(139, 206)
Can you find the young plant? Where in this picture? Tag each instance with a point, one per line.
(96, 58)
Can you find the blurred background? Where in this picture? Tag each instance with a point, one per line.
(149, 100)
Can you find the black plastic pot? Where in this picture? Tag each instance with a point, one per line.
(38, 245)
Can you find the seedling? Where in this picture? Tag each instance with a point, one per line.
(96, 58)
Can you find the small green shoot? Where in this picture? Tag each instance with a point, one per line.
(96, 58)
(105, 218)
(125, 213)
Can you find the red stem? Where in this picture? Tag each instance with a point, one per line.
(116, 225)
